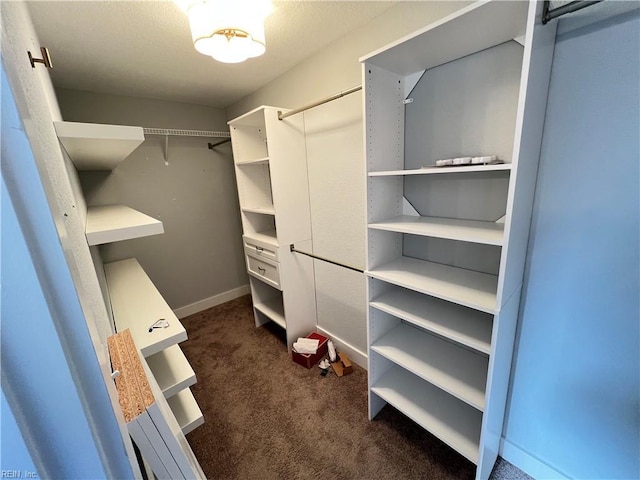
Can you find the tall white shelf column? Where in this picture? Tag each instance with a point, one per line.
(133, 300)
(271, 173)
(444, 278)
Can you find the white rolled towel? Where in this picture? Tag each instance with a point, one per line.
(306, 345)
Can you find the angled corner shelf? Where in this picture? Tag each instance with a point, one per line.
(113, 223)
(94, 146)
(137, 304)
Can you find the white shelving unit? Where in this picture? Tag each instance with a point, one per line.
(131, 296)
(271, 173)
(94, 146)
(446, 245)
(112, 223)
(137, 305)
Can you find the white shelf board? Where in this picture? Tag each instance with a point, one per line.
(454, 369)
(253, 118)
(270, 237)
(257, 161)
(440, 170)
(274, 309)
(186, 410)
(456, 35)
(262, 210)
(489, 233)
(94, 146)
(452, 421)
(465, 287)
(171, 370)
(113, 223)
(461, 324)
(137, 304)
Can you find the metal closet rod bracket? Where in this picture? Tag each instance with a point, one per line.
(292, 249)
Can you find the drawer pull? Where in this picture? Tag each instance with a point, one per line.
(259, 250)
(262, 270)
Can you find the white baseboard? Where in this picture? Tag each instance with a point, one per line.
(356, 356)
(528, 463)
(201, 305)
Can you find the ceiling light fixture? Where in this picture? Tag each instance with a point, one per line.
(230, 31)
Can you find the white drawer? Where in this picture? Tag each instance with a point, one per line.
(260, 249)
(264, 269)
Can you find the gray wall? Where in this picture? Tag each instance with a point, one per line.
(576, 383)
(200, 254)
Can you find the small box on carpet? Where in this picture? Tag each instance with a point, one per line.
(308, 360)
(342, 366)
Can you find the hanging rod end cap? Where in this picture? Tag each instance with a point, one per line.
(292, 248)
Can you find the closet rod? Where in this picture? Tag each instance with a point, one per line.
(293, 249)
(548, 15)
(282, 116)
(214, 145)
(184, 133)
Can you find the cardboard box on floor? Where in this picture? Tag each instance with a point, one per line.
(342, 366)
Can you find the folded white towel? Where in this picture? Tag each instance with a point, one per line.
(306, 345)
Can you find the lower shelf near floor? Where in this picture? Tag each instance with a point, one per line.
(273, 309)
(451, 420)
(454, 369)
(186, 410)
(137, 305)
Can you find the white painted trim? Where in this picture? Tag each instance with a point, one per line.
(528, 463)
(201, 305)
(355, 355)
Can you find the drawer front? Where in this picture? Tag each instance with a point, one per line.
(266, 270)
(260, 250)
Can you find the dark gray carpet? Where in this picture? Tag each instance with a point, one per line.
(269, 418)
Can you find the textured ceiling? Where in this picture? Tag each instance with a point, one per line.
(144, 49)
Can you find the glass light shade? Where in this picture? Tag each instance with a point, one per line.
(229, 31)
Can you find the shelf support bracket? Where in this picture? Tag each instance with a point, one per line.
(166, 150)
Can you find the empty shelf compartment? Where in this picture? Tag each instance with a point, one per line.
(446, 365)
(452, 421)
